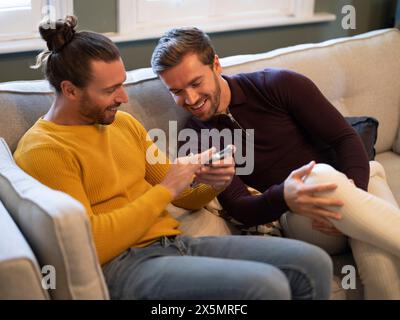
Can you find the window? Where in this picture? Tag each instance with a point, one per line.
(139, 19)
(398, 14)
(19, 20)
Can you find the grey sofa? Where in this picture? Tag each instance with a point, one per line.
(40, 227)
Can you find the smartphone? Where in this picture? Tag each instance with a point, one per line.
(227, 152)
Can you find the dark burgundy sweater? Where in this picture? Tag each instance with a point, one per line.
(293, 124)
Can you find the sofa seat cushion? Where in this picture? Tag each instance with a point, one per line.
(396, 143)
(20, 277)
(391, 163)
(57, 229)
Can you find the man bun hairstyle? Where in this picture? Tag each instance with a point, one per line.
(177, 43)
(69, 53)
(58, 37)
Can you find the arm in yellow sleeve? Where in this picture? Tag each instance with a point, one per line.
(113, 231)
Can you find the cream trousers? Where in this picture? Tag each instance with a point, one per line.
(370, 222)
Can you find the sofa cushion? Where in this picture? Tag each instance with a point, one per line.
(57, 229)
(367, 128)
(396, 144)
(390, 162)
(22, 103)
(20, 277)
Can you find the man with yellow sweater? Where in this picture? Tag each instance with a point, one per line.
(87, 148)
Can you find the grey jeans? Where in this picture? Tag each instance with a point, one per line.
(218, 268)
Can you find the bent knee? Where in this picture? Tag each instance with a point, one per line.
(321, 259)
(318, 267)
(376, 169)
(310, 256)
(324, 173)
(272, 284)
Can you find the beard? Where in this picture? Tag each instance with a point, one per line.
(97, 114)
(214, 99)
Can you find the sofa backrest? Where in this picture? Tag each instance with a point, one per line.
(20, 275)
(357, 74)
(57, 229)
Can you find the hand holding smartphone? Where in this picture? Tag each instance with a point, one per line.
(216, 157)
(227, 152)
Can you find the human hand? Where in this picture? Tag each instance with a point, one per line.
(183, 170)
(326, 227)
(218, 174)
(302, 198)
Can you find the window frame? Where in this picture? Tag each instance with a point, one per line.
(21, 21)
(30, 39)
(130, 29)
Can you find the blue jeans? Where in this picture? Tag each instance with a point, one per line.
(217, 268)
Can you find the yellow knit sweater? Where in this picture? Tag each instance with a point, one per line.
(105, 168)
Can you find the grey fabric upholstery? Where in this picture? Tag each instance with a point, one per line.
(20, 276)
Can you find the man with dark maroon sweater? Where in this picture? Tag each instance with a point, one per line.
(295, 126)
(262, 101)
